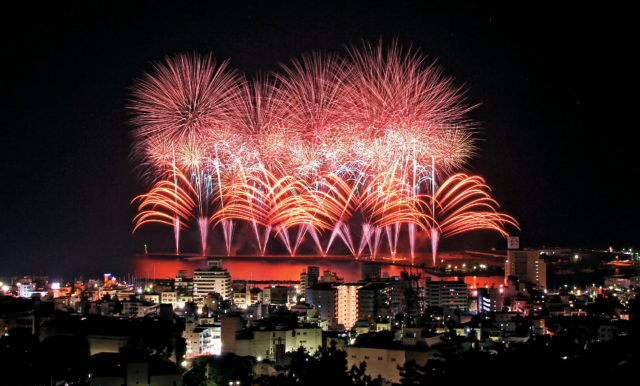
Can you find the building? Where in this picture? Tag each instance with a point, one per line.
(215, 347)
(230, 325)
(184, 299)
(25, 288)
(197, 340)
(276, 295)
(405, 294)
(449, 294)
(347, 305)
(242, 297)
(371, 271)
(183, 284)
(490, 299)
(527, 266)
(214, 263)
(373, 301)
(138, 308)
(385, 362)
(330, 277)
(309, 278)
(313, 271)
(170, 297)
(150, 297)
(203, 339)
(324, 297)
(214, 280)
(606, 332)
(117, 369)
(255, 296)
(271, 343)
(419, 336)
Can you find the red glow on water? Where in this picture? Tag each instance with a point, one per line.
(255, 269)
(163, 268)
(284, 269)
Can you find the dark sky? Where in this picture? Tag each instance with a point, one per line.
(555, 143)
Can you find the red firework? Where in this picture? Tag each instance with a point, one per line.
(309, 146)
(462, 204)
(185, 96)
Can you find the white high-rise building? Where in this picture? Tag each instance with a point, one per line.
(449, 294)
(528, 266)
(211, 281)
(25, 288)
(347, 305)
(202, 339)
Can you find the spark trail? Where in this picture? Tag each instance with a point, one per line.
(325, 146)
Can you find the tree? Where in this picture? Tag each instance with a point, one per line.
(328, 366)
(411, 374)
(358, 375)
(220, 370)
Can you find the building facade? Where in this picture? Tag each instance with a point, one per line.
(449, 294)
(527, 266)
(347, 305)
(214, 280)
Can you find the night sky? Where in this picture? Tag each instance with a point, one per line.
(555, 142)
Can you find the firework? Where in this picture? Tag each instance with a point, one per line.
(406, 109)
(169, 202)
(185, 95)
(309, 151)
(462, 203)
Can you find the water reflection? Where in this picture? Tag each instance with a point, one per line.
(262, 269)
(255, 268)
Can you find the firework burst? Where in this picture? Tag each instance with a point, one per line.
(169, 202)
(309, 150)
(462, 204)
(184, 95)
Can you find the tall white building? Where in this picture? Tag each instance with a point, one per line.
(347, 305)
(528, 266)
(211, 281)
(25, 288)
(449, 294)
(202, 339)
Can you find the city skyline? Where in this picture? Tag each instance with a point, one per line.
(569, 307)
